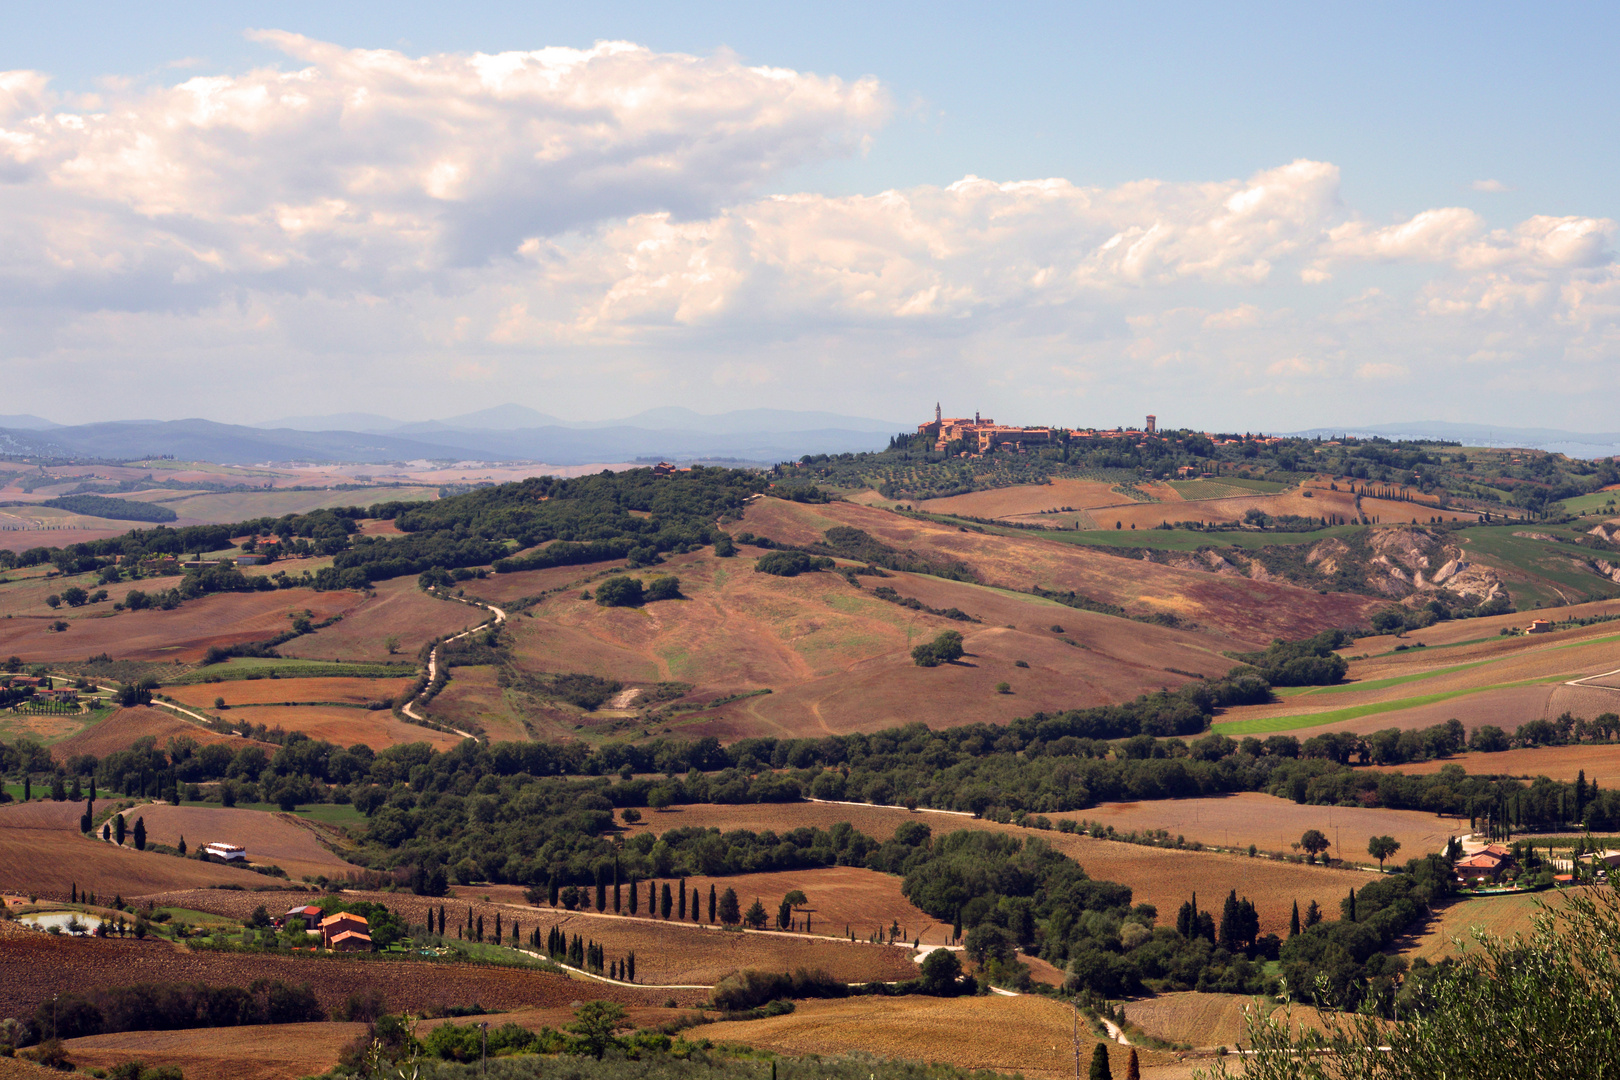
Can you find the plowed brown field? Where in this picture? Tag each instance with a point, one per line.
(182, 634)
(399, 609)
(120, 730)
(271, 839)
(35, 965)
(283, 690)
(1247, 611)
(1236, 821)
(267, 1052)
(1031, 1035)
(1160, 876)
(48, 859)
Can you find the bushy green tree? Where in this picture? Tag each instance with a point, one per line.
(621, 591)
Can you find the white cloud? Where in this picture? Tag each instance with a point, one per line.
(556, 220)
(1492, 186)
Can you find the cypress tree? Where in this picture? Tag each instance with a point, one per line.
(118, 828)
(630, 966)
(140, 834)
(601, 889)
(555, 887)
(635, 894)
(695, 904)
(616, 892)
(1293, 921)
(1133, 1070)
(1099, 1063)
(712, 902)
(680, 883)
(652, 898)
(666, 901)
(497, 928)
(28, 789)
(75, 894)
(480, 930)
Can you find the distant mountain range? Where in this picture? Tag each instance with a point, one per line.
(519, 433)
(502, 433)
(1575, 444)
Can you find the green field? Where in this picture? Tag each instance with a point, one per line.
(1553, 580)
(1273, 724)
(1187, 539)
(242, 667)
(1224, 488)
(15, 726)
(1597, 502)
(325, 813)
(1393, 680)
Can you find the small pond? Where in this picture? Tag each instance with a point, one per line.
(67, 922)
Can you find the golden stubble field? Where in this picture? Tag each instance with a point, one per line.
(1162, 877)
(1028, 1034)
(1601, 764)
(1275, 824)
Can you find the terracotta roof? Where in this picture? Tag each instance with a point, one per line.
(344, 915)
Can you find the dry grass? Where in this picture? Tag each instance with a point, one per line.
(837, 659)
(181, 635)
(1194, 1019)
(1236, 821)
(283, 690)
(271, 839)
(473, 698)
(1028, 499)
(399, 609)
(120, 730)
(1160, 876)
(265, 1052)
(1029, 1034)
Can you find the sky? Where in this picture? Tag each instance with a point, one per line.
(1252, 216)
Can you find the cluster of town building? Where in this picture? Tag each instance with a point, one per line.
(980, 434)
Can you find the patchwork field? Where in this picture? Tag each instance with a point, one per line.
(1480, 679)
(271, 839)
(183, 634)
(1245, 611)
(23, 595)
(226, 507)
(1160, 876)
(120, 730)
(672, 953)
(1274, 824)
(1088, 504)
(398, 610)
(1032, 1035)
